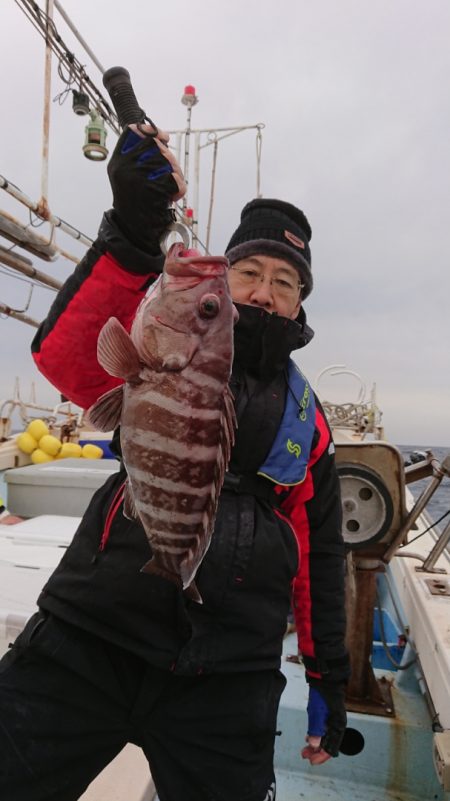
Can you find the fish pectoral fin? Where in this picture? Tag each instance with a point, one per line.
(191, 592)
(226, 442)
(116, 352)
(106, 412)
(129, 506)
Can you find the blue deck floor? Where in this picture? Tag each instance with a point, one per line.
(396, 761)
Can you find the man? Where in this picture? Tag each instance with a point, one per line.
(115, 655)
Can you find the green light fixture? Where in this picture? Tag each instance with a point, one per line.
(94, 145)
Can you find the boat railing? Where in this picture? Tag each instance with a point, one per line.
(362, 416)
(60, 416)
(432, 468)
(379, 515)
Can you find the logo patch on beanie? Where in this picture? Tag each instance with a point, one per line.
(295, 240)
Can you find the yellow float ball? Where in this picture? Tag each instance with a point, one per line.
(37, 429)
(39, 456)
(70, 450)
(91, 451)
(26, 443)
(50, 444)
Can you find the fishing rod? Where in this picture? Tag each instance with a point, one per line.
(117, 83)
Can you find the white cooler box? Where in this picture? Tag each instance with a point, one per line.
(29, 552)
(62, 487)
(56, 530)
(24, 569)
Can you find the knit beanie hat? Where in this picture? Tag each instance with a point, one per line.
(274, 228)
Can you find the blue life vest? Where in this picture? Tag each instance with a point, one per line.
(288, 459)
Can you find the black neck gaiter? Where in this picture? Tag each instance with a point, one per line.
(263, 342)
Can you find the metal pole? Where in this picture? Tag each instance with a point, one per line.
(232, 130)
(178, 146)
(187, 138)
(25, 266)
(78, 36)
(13, 190)
(430, 562)
(258, 162)
(440, 470)
(196, 196)
(211, 198)
(43, 202)
(18, 315)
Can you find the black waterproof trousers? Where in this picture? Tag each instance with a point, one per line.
(69, 703)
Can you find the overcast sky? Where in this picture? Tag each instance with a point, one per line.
(356, 103)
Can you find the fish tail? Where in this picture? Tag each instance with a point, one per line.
(153, 568)
(191, 592)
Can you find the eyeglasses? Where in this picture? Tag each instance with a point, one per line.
(284, 287)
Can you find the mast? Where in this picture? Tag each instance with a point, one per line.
(43, 202)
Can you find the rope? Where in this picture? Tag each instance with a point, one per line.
(360, 416)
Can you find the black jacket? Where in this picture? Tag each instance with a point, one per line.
(262, 558)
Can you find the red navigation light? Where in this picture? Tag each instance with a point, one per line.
(189, 97)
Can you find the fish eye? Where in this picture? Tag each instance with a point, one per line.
(209, 306)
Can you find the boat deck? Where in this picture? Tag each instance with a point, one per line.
(394, 765)
(396, 762)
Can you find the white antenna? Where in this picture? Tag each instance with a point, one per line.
(188, 212)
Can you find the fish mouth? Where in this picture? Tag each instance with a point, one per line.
(165, 324)
(183, 263)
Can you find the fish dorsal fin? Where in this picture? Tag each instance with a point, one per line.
(226, 442)
(228, 426)
(230, 422)
(106, 412)
(116, 352)
(129, 506)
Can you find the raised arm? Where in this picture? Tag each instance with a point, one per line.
(116, 271)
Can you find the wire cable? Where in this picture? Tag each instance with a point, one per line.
(432, 525)
(68, 61)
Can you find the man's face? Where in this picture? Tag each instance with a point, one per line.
(268, 282)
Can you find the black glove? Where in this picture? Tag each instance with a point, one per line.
(327, 717)
(143, 187)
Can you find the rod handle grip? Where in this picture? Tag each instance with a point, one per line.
(117, 82)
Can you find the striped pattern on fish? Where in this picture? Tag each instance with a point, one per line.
(175, 409)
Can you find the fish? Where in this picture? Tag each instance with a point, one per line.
(175, 409)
